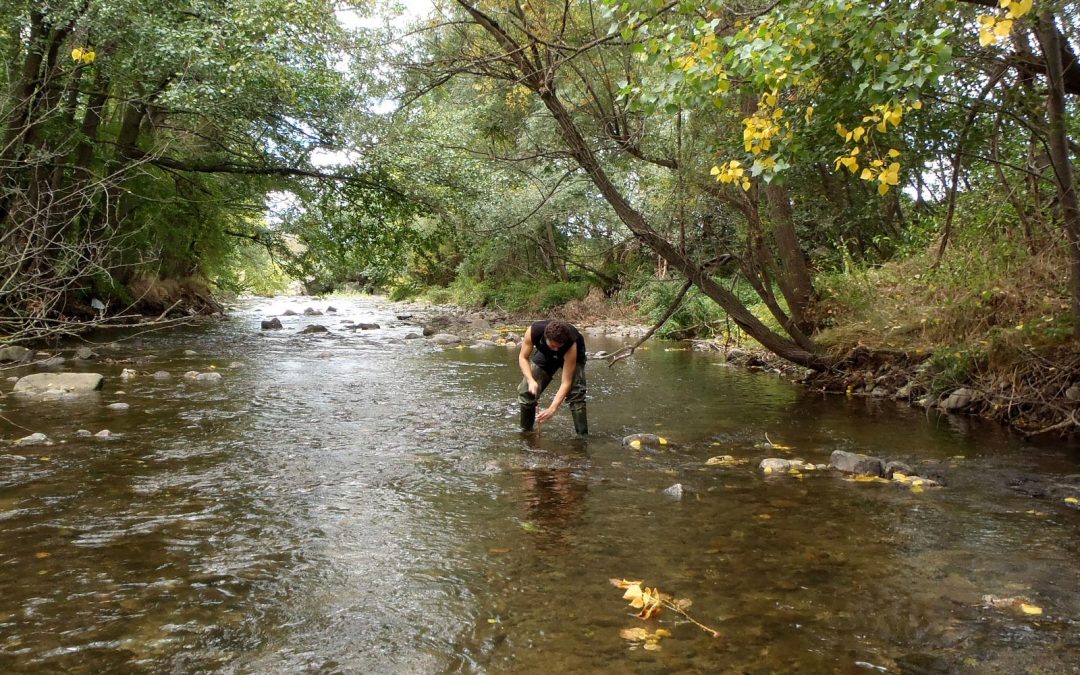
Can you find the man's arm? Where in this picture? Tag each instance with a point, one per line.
(568, 369)
(523, 362)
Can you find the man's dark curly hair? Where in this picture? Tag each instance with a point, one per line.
(558, 331)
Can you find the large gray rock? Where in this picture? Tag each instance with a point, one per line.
(208, 377)
(76, 382)
(445, 339)
(314, 328)
(366, 326)
(311, 311)
(850, 462)
(51, 362)
(958, 400)
(272, 324)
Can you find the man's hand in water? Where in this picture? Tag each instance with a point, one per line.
(545, 415)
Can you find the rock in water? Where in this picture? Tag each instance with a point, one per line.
(16, 353)
(272, 324)
(314, 328)
(445, 339)
(675, 491)
(775, 465)
(33, 439)
(850, 462)
(208, 377)
(118, 406)
(41, 382)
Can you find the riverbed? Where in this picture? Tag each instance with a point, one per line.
(360, 502)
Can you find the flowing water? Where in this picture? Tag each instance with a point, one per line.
(360, 502)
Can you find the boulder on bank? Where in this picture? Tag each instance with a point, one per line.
(68, 382)
(272, 324)
(958, 401)
(850, 462)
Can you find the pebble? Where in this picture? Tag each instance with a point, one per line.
(33, 439)
(162, 375)
(104, 433)
(118, 406)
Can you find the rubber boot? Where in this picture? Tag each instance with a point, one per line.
(528, 417)
(581, 422)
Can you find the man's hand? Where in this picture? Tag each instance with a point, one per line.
(546, 414)
(534, 387)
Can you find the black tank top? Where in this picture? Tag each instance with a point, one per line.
(549, 359)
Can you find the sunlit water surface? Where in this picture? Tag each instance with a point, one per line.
(359, 502)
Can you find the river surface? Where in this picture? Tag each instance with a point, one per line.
(362, 503)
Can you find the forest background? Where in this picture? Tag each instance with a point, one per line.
(853, 186)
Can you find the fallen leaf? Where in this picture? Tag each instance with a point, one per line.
(865, 479)
(635, 444)
(1072, 500)
(41, 554)
(498, 551)
(1030, 609)
(623, 583)
(530, 527)
(639, 634)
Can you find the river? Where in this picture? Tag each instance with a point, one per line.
(361, 503)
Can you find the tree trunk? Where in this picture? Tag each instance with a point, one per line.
(642, 230)
(794, 280)
(1058, 141)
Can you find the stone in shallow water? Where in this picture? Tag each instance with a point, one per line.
(850, 462)
(208, 377)
(83, 433)
(272, 324)
(40, 382)
(675, 491)
(314, 328)
(33, 439)
(162, 375)
(104, 433)
(118, 406)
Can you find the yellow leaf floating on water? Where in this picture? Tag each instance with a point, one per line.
(635, 444)
(724, 460)
(661, 440)
(1072, 500)
(1030, 609)
(650, 601)
(650, 641)
(865, 479)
